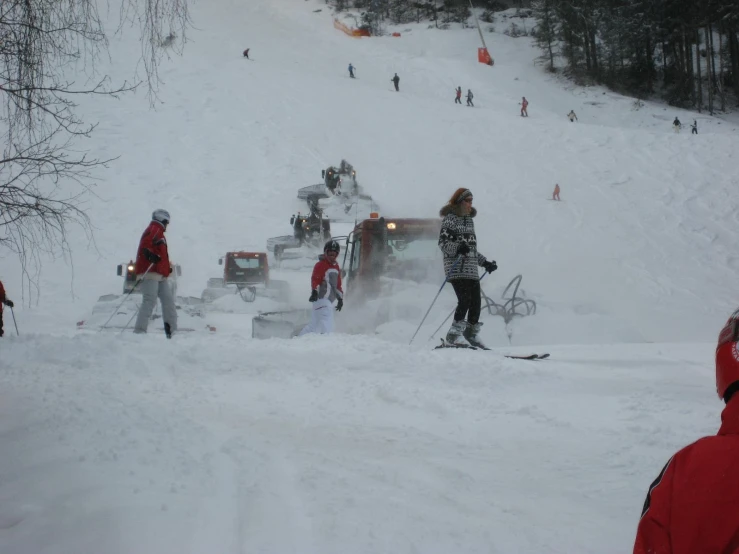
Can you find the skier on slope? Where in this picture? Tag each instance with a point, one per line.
(3, 301)
(246, 53)
(676, 125)
(326, 284)
(524, 107)
(396, 82)
(152, 270)
(458, 95)
(691, 506)
(351, 71)
(572, 117)
(458, 242)
(694, 128)
(469, 98)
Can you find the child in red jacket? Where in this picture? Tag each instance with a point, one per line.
(326, 285)
(692, 506)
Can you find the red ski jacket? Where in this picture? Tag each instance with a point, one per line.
(693, 505)
(153, 239)
(326, 279)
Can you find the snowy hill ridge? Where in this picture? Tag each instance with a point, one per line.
(352, 443)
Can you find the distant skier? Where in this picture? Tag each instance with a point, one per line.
(572, 116)
(396, 82)
(555, 194)
(524, 107)
(326, 284)
(246, 53)
(152, 270)
(458, 95)
(694, 128)
(676, 125)
(690, 506)
(298, 230)
(351, 71)
(458, 242)
(469, 98)
(3, 302)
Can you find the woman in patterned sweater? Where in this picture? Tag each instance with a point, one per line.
(458, 242)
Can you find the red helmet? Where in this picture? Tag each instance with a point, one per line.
(727, 355)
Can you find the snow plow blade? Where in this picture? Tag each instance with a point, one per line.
(284, 324)
(120, 313)
(318, 192)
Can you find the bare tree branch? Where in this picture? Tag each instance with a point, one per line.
(44, 183)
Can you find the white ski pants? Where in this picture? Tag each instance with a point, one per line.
(321, 318)
(150, 290)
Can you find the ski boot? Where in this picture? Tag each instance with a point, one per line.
(471, 334)
(454, 336)
(168, 330)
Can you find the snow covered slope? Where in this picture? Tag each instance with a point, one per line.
(217, 443)
(335, 445)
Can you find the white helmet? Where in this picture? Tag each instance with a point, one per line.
(162, 216)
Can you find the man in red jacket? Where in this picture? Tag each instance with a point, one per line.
(326, 285)
(3, 301)
(692, 506)
(152, 271)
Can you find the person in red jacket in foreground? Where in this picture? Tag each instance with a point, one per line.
(152, 270)
(326, 285)
(693, 505)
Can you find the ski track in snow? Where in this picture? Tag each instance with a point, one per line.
(275, 455)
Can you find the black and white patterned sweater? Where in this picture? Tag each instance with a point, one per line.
(456, 229)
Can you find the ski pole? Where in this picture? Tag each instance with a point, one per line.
(451, 313)
(14, 323)
(130, 320)
(446, 278)
(127, 295)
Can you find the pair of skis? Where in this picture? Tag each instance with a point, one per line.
(445, 344)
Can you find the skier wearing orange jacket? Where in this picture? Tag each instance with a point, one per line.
(692, 505)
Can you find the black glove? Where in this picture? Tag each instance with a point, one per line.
(490, 266)
(9, 303)
(153, 258)
(339, 304)
(463, 249)
(313, 296)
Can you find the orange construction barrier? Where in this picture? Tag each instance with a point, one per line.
(483, 56)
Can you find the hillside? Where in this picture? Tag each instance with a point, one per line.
(220, 443)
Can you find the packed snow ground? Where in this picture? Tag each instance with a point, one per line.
(214, 442)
